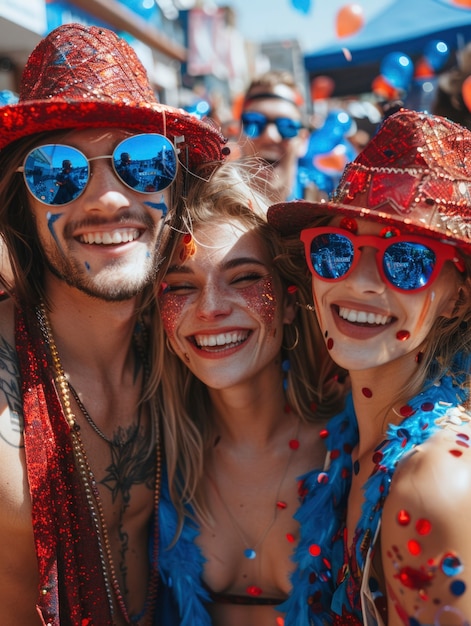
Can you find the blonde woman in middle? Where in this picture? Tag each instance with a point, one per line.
(246, 388)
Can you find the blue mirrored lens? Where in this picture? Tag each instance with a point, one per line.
(287, 127)
(254, 124)
(408, 265)
(146, 163)
(56, 174)
(331, 255)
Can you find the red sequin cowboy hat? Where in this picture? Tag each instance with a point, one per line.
(415, 173)
(86, 76)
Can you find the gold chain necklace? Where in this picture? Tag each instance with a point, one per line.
(93, 498)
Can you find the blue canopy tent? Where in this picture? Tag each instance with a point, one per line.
(406, 26)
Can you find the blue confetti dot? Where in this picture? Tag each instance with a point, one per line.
(249, 553)
(458, 587)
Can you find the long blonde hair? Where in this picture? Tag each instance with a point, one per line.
(313, 391)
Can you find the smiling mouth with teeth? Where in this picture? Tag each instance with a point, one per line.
(221, 341)
(363, 317)
(120, 235)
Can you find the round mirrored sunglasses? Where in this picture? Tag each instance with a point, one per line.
(56, 174)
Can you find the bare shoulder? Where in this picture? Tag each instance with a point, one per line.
(425, 538)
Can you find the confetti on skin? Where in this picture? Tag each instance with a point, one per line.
(250, 554)
(253, 590)
(402, 335)
(367, 392)
(458, 587)
(423, 526)
(290, 538)
(403, 518)
(87, 266)
(414, 578)
(414, 547)
(330, 343)
(451, 564)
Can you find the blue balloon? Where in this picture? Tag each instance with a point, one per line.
(397, 68)
(436, 52)
(304, 6)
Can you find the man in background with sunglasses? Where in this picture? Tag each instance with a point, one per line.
(273, 129)
(80, 457)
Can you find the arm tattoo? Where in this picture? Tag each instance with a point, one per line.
(9, 385)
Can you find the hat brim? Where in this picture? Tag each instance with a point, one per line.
(290, 218)
(202, 143)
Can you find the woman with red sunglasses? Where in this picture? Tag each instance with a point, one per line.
(390, 258)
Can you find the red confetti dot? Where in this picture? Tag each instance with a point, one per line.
(293, 444)
(367, 392)
(419, 357)
(281, 505)
(414, 578)
(335, 454)
(290, 538)
(402, 335)
(323, 478)
(253, 590)
(423, 526)
(330, 343)
(403, 518)
(414, 547)
(406, 411)
(463, 436)
(377, 457)
(456, 452)
(292, 289)
(314, 550)
(427, 406)
(463, 444)
(324, 433)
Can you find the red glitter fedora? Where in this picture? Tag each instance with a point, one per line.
(415, 173)
(86, 76)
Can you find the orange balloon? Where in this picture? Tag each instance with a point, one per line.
(383, 89)
(466, 92)
(463, 3)
(423, 69)
(322, 87)
(349, 20)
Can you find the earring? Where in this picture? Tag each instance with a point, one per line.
(308, 307)
(296, 339)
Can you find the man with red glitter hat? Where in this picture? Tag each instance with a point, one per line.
(79, 449)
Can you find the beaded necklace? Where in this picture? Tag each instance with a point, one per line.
(92, 495)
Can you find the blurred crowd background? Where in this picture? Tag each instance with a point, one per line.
(199, 57)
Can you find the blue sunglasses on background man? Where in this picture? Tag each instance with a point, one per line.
(254, 124)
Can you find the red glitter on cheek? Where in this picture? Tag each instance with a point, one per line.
(171, 308)
(414, 578)
(330, 343)
(261, 299)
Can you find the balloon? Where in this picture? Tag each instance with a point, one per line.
(304, 6)
(436, 53)
(349, 20)
(462, 3)
(322, 87)
(397, 68)
(466, 92)
(423, 69)
(383, 88)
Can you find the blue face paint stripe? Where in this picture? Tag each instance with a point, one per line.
(159, 206)
(51, 219)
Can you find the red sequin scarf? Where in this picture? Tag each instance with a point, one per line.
(72, 589)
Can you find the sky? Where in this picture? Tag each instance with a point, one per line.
(266, 21)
